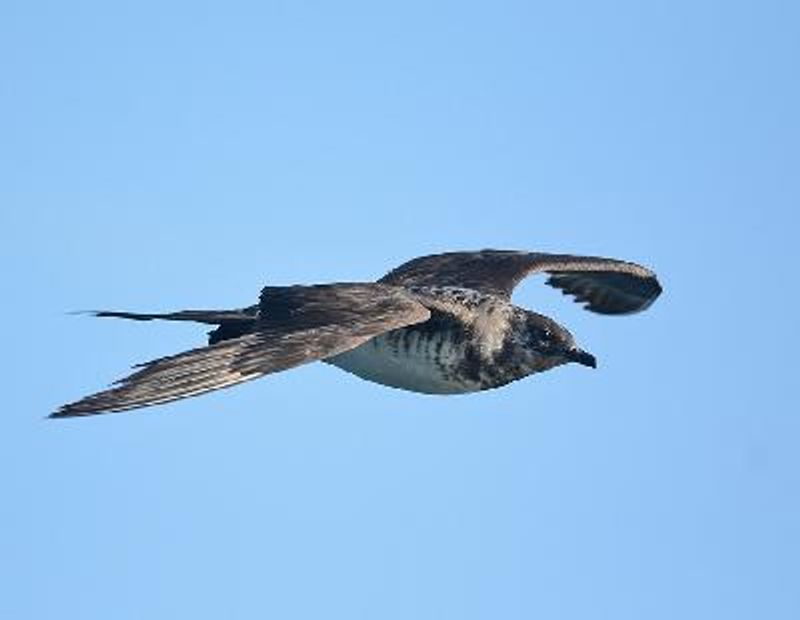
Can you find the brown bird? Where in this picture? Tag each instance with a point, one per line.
(440, 324)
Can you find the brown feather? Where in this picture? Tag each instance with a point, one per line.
(609, 286)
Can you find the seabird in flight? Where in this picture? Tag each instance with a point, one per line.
(440, 324)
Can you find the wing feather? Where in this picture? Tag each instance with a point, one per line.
(606, 285)
(339, 317)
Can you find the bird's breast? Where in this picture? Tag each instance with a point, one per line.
(415, 359)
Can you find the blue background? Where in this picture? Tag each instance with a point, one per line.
(159, 156)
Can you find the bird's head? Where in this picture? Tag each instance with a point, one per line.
(550, 344)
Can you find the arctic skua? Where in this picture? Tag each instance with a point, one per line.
(439, 324)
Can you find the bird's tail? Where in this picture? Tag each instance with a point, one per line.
(230, 323)
(210, 317)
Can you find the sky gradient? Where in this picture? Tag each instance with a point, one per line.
(162, 156)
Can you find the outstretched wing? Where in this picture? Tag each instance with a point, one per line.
(608, 286)
(301, 324)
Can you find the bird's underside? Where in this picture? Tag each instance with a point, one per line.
(437, 324)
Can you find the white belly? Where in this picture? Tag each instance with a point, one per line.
(408, 361)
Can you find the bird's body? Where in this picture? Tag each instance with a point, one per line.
(442, 324)
(411, 359)
(443, 355)
(470, 343)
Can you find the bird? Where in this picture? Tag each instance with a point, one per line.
(437, 324)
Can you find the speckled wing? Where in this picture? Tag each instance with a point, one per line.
(606, 285)
(297, 325)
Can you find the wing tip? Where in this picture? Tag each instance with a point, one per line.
(66, 411)
(74, 410)
(630, 302)
(85, 407)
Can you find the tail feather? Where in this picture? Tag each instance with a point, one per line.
(230, 323)
(210, 317)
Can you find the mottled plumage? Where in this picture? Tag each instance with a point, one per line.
(439, 324)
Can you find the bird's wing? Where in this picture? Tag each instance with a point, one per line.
(335, 318)
(608, 286)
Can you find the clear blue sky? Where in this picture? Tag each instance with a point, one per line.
(168, 155)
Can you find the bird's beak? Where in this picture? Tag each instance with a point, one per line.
(582, 357)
